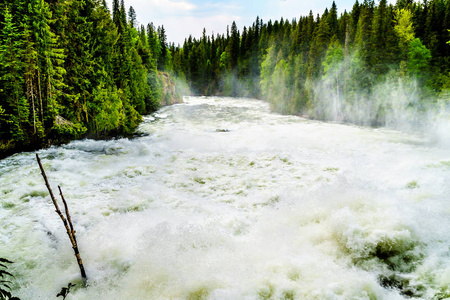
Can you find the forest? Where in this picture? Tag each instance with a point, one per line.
(375, 65)
(72, 69)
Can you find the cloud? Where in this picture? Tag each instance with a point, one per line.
(167, 5)
(179, 5)
(184, 17)
(194, 25)
(215, 8)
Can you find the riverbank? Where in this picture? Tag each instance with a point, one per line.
(171, 92)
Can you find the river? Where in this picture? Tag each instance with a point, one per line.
(218, 198)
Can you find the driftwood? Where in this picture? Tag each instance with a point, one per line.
(66, 220)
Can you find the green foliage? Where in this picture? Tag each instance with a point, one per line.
(5, 285)
(334, 57)
(267, 68)
(66, 131)
(404, 28)
(107, 109)
(418, 59)
(100, 73)
(361, 66)
(132, 118)
(224, 61)
(87, 73)
(11, 79)
(155, 91)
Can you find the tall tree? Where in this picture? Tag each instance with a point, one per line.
(332, 20)
(162, 59)
(233, 46)
(132, 17)
(11, 77)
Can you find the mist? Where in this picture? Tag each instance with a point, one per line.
(348, 93)
(277, 207)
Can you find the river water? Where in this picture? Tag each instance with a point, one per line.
(217, 198)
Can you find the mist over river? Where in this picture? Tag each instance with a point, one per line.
(220, 199)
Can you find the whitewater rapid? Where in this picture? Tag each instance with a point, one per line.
(217, 198)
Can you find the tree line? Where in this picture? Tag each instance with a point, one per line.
(359, 66)
(73, 68)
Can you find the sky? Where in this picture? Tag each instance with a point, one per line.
(182, 18)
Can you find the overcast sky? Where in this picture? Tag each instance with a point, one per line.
(184, 17)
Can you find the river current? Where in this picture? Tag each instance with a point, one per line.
(217, 198)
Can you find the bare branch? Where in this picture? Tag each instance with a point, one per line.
(67, 222)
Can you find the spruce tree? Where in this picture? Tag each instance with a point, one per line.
(233, 46)
(162, 58)
(332, 20)
(132, 17)
(12, 97)
(153, 42)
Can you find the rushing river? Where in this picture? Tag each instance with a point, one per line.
(220, 199)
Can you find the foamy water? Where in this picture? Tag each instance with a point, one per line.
(221, 199)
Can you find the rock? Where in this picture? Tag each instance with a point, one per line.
(170, 93)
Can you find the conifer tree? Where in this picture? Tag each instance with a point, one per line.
(233, 46)
(355, 13)
(153, 42)
(11, 77)
(51, 58)
(380, 39)
(162, 58)
(318, 48)
(132, 17)
(332, 20)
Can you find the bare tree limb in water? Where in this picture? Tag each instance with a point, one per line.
(66, 220)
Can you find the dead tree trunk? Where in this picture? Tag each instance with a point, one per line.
(67, 222)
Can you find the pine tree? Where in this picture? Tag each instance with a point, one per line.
(379, 39)
(332, 20)
(364, 30)
(50, 71)
(132, 17)
(11, 77)
(30, 76)
(318, 48)
(233, 46)
(153, 42)
(354, 19)
(162, 59)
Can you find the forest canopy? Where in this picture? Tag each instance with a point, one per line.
(363, 66)
(73, 68)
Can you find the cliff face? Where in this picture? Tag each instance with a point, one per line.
(171, 94)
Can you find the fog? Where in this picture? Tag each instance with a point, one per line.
(219, 198)
(348, 93)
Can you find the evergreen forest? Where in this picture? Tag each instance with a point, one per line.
(72, 69)
(378, 64)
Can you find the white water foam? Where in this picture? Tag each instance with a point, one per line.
(221, 199)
